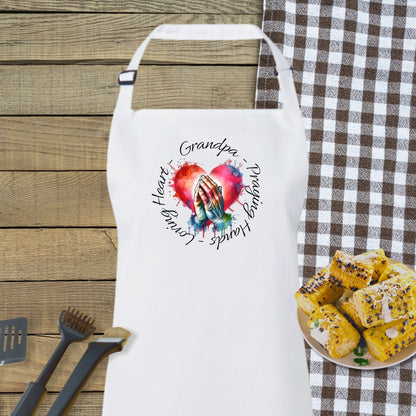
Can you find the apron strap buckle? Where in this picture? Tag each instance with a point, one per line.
(127, 77)
(276, 73)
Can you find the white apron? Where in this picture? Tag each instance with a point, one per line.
(207, 204)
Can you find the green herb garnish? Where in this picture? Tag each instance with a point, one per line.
(360, 351)
(361, 361)
(316, 323)
(372, 332)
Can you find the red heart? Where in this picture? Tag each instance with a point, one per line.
(226, 176)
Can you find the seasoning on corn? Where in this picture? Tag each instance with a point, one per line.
(318, 291)
(347, 308)
(384, 302)
(333, 331)
(377, 259)
(397, 269)
(349, 272)
(386, 340)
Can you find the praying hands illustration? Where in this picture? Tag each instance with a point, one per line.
(209, 205)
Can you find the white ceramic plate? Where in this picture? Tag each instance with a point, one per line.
(348, 361)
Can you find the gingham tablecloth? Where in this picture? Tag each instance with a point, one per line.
(354, 69)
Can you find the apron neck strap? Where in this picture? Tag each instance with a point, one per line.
(127, 78)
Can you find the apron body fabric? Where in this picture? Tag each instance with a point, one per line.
(207, 204)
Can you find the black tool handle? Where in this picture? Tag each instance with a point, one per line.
(95, 352)
(53, 361)
(34, 393)
(30, 400)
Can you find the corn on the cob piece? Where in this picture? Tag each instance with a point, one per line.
(384, 302)
(347, 308)
(318, 291)
(377, 259)
(399, 270)
(350, 273)
(386, 340)
(333, 331)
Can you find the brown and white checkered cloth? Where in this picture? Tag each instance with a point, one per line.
(354, 69)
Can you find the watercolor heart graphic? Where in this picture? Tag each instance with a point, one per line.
(226, 176)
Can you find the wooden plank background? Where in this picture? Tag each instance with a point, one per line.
(59, 63)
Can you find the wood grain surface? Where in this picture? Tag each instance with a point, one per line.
(114, 37)
(93, 89)
(137, 6)
(88, 404)
(14, 377)
(54, 142)
(45, 254)
(55, 199)
(59, 62)
(42, 302)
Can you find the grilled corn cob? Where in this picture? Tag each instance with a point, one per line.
(333, 331)
(398, 269)
(347, 308)
(377, 259)
(350, 273)
(318, 291)
(386, 340)
(384, 302)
